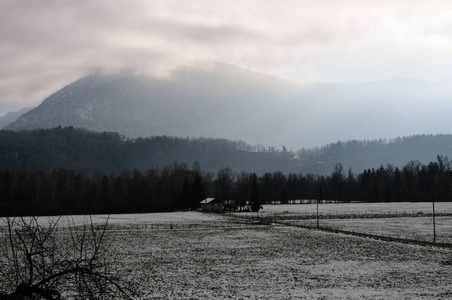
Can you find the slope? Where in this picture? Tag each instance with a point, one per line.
(215, 100)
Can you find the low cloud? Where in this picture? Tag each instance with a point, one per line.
(47, 44)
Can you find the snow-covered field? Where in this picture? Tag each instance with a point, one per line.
(131, 221)
(419, 228)
(192, 255)
(278, 262)
(356, 208)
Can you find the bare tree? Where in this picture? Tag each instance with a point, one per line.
(338, 181)
(42, 260)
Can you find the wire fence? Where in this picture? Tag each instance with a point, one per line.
(230, 223)
(412, 228)
(349, 215)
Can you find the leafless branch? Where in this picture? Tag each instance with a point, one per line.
(44, 261)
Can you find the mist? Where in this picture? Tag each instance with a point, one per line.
(216, 100)
(48, 44)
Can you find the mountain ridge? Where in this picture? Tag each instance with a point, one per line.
(12, 116)
(225, 101)
(103, 104)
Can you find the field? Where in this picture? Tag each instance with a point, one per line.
(351, 218)
(191, 255)
(214, 257)
(354, 208)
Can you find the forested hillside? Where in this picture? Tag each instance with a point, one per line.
(82, 150)
(362, 155)
(68, 170)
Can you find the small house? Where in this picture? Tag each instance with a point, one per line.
(212, 205)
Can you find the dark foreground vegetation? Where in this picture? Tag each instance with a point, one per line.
(178, 187)
(45, 261)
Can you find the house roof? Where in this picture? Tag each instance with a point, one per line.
(207, 200)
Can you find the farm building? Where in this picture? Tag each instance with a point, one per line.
(218, 206)
(212, 205)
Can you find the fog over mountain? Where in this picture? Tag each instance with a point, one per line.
(225, 101)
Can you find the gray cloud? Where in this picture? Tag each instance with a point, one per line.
(47, 44)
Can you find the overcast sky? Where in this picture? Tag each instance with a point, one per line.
(45, 45)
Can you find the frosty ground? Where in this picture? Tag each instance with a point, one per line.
(201, 256)
(418, 228)
(192, 255)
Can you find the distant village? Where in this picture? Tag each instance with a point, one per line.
(217, 206)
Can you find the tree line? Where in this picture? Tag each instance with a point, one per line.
(178, 187)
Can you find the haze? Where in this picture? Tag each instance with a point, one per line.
(45, 45)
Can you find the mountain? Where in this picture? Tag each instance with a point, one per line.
(216, 100)
(12, 116)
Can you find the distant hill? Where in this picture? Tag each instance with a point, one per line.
(372, 154)
(83, 150)
(12, 116)
(216, 100)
